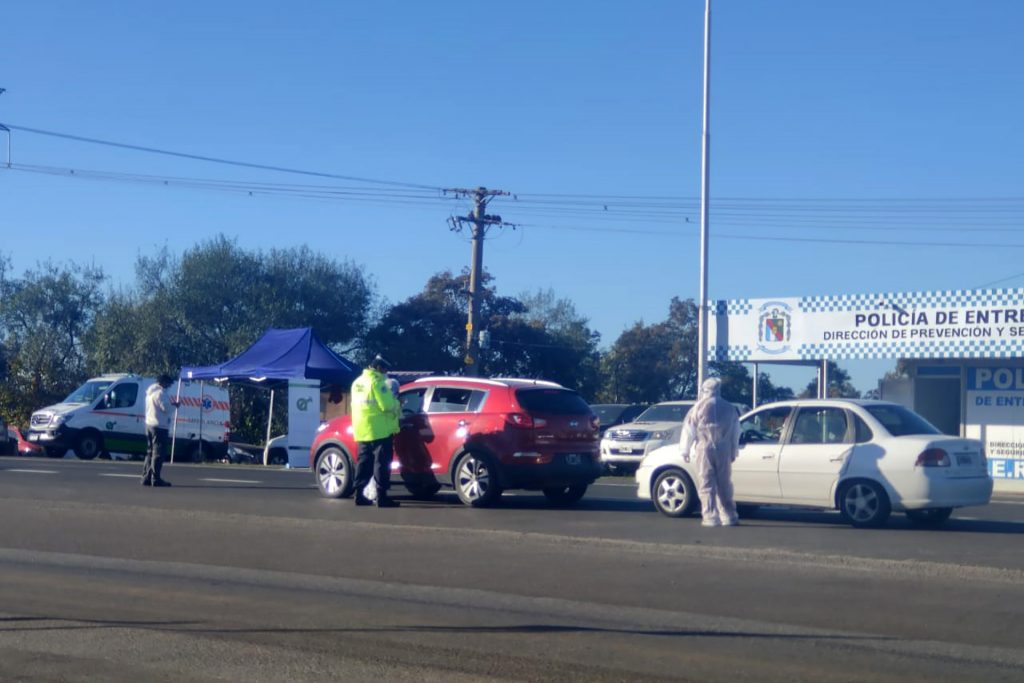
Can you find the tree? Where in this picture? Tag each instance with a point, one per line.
(44, 317)
(544, 337)
(215, 300)
(536, 335)
(651, 363)
(426, 331)
(737, 385)
(839, 385)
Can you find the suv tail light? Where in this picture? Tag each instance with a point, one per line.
(525, 420)
(933, 457)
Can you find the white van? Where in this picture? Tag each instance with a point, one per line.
(108, 414)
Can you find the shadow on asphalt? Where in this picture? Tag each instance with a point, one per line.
(13, 624)
(898, 522)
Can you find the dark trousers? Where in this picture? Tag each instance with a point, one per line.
(156, 439)
(374, 461)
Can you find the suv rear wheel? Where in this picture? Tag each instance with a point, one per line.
(476, 480)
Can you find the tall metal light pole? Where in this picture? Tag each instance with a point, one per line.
(705, 163)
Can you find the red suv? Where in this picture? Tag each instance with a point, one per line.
(480, 436)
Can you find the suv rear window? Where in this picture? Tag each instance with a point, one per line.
(552, 401)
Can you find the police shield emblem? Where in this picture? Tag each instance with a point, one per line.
(775, 327)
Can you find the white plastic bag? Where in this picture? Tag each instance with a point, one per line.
(370, 490)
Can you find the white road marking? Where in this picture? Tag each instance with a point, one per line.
(233, 481)
(35, 471)
(133, 476)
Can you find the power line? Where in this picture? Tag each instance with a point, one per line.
(217, 160)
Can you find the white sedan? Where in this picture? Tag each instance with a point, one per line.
(864, 458)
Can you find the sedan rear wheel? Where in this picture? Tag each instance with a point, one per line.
(929, 516)
(334, 474)
(476, 480)
(864, 504)
(674, 494)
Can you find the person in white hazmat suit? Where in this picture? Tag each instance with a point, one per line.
(711, 435)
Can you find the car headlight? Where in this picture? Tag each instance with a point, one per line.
(58, 420)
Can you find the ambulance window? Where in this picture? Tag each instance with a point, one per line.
(124, 395)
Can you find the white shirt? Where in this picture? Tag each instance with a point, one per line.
(157, 414)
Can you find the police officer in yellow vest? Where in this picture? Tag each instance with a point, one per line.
(374, 422)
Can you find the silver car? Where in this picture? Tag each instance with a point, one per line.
(624, 446)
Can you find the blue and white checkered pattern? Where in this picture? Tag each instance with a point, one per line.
(932, 348)
(913, 300)
(732, 353)
(731, 307)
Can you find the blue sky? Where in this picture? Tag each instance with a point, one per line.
(895, 122)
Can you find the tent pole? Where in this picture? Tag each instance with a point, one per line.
(270, 420)
(202, 455)
(174, 427)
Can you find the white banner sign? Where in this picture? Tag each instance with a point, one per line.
(987, 323)
(995, 414)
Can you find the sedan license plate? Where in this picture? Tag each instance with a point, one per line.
(964, 460)
(573, 459)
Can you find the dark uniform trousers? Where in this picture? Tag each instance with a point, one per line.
(156, 439)
(374, 461)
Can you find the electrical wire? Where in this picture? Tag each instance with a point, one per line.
(216, 160)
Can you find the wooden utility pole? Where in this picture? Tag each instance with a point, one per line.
(479, 221)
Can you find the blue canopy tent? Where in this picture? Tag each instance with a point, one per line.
(284, 357)
(281, 355)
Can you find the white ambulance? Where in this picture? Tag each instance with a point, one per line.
(107, 415)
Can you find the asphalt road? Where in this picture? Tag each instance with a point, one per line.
(245, 573)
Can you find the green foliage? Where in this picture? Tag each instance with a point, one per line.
(737, 385)
(215, 301)
(44, 317)
(545, 338)
(839, 385)
(536, 335)
(651, 363)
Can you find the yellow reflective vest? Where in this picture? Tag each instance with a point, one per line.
(374, 407)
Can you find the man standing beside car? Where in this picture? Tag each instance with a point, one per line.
(712, 430)
(158, 419)
(374, 423)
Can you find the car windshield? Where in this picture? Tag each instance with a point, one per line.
(608, 413)
(552, 401)
(900, 421)
(665, 412)
(88, 392)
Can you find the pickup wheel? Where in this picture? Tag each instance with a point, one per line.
(90, 444)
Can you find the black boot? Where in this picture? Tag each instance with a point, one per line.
(360, 499)
(385, 501)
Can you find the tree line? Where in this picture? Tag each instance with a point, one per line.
(60, 324)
